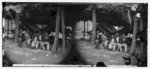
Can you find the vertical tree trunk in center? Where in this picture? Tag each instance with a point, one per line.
(8, 28)
(93, 25)
(11, 25)
(56, 30)
(17, 29)
(87, 26)
(133, 45)
(63, 30)
(84, 30)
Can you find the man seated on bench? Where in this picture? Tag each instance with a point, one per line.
(121, 44)
(27, 38)
(45, 42)
(104, 41)
(39, 42)
(34, 42)
(112, 44)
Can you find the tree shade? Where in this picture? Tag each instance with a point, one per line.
(114, 14)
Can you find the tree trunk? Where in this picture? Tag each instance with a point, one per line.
(17, 29)
(142, 43)
(11, 25)
(5, 26)
(8, 28)
(87, 26)
(133, 45)
(93, 25)
(63, 30)
(141, 24)
(84, 30)
(129, 16)
(56, 30)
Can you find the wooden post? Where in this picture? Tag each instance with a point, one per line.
(93, 25)
(56, 30)
(63, 29)
(84, 30)
(133, 45)
(17, 29)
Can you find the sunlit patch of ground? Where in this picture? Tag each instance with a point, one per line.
(24, 55)
(92, 55)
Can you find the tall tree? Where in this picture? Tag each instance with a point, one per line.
(141, 24)
(11, 25)
(8, 28)
(133, 45)
(17, 29)
(63, 29)
(142, 43)
(56, 31)
(129, 16)
(87, 26)
(93, 25)
(84, 30)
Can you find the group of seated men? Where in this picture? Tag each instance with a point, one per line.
(115, 42)
(40, 40)
(36, 40)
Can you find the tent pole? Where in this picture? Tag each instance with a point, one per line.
(133, 45)
(56, 31)
(93, 25)
(63, 30)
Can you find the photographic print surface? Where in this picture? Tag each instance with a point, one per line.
(74, 34)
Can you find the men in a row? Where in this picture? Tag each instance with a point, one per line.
(39, 40)
(117, 42)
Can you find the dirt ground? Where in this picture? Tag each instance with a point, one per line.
(92, 56)
(24, 55)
